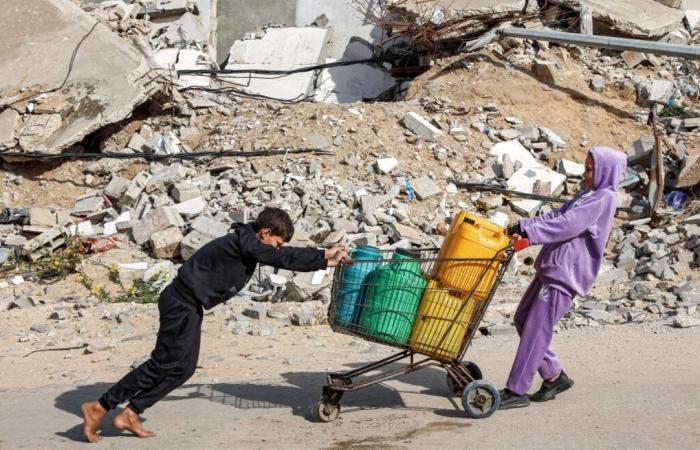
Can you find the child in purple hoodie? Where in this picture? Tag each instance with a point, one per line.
(574, 238)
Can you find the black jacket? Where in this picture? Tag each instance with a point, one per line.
(222, 267)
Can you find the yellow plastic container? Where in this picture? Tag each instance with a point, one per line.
(471, 236)
(431, 334)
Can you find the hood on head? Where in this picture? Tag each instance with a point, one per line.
(608, 167)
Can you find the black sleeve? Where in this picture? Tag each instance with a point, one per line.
(515, 229)
(299, 259)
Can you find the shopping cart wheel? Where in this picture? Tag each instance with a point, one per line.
(472, 369)
(326, 410)
(480, 399)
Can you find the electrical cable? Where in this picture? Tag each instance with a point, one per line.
(160, 156)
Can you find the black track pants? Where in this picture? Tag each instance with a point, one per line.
(173, 361)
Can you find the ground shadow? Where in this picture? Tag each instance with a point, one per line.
(298, 391)
(70, 402)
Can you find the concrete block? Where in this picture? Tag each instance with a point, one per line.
(633, 59)
(640, 151)
(160, 219)
(571, 168)
(524, 181)
(552, 137)
(690, 171)
(116, 187)
(88, 204)
(386, 165)
(9, 120)
(281, 49)
(209, 226)
(161, 181)
(102, 92)
(134, 189)
(5, 254)
(85, 228)
(692, 19)
(660, 91)
(425, 188)
(192, 207)
(185, 191)
(597, 83)
(111, 227)
(193, 242)
(516, 152)
(42, 217)
(692, 123)
(420, 126)
(166, 243)
(546, 71)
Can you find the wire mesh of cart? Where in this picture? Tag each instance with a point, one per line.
(427, 307)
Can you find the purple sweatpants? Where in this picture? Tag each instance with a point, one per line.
(538, 313)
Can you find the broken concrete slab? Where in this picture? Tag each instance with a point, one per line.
(279, 49)
(160, 219)
(42, 217)
(524, 181)
(166, 243)
(193, 242)
(421, 126)
(546, 71)
(192, 207)
(425, 188)
(692, 19)
(634, 18)
(88, 204)
(690, 171)
(104, 86)
(571, 168)
(516, 153)
(9, 120)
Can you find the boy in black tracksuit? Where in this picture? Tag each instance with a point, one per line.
(215, 273)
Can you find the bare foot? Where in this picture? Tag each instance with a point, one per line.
(130, 421)
(93, 413)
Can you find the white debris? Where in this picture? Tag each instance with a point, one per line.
(420, 126)
(386, 165)
(571, 168)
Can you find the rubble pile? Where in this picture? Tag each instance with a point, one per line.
(392, 181)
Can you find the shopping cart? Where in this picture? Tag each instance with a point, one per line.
(422, 305)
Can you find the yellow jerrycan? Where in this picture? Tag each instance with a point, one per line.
(441, 323)
(477, 241)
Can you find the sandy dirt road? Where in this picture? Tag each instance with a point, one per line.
(637, 387)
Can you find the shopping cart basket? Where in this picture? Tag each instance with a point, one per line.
(422, 305)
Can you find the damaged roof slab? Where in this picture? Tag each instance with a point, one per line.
(638, 18)
(279, 49)
(39, 37)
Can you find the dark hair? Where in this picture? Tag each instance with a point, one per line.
(277, 220)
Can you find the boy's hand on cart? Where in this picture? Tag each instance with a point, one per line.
(337, 254)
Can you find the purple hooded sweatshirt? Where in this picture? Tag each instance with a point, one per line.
(575, 235)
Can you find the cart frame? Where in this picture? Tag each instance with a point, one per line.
(480, 399)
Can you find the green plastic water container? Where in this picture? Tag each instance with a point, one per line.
(393, 297)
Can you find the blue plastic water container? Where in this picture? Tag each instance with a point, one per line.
(353, 288)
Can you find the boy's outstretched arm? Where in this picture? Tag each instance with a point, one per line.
(298, 259)
(564, 226)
